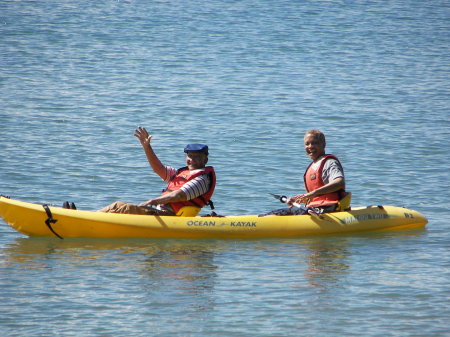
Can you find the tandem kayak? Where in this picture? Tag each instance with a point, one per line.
(37, 220)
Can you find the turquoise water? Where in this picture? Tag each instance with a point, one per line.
(248, 78)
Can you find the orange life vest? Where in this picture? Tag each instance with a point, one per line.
(184, 175)
(313, 180)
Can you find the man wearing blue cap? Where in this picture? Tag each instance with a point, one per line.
(189, 188)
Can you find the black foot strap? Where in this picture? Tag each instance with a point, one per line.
(50, 220)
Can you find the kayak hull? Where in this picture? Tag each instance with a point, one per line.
(33, 220)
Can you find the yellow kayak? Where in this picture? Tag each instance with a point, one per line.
(49, 221)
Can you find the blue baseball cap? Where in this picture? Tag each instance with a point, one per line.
(196, 148)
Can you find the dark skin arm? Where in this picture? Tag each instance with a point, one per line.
(145, 139)
(331, 187)
(158, 167)
(168, 198)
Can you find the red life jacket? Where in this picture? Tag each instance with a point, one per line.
(313, 180)
(184, 175)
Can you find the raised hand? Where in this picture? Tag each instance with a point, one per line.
(143, 136)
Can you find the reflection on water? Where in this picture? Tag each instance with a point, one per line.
(90, 281)
(187, 274)
(192, 265)
(327, 257)
(182, 271)
(328, 262)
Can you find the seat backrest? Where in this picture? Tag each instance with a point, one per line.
(344, 203)
(189, 211)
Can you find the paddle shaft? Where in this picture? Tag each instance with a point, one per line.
(284, 199)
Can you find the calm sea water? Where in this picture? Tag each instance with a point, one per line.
(248, 78)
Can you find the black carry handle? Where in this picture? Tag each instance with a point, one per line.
(50, 220)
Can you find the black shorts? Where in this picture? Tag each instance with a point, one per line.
(301, 210)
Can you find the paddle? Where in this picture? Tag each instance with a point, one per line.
(283, 199)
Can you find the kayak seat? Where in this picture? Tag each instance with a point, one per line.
(188, 211)
(344, 203)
